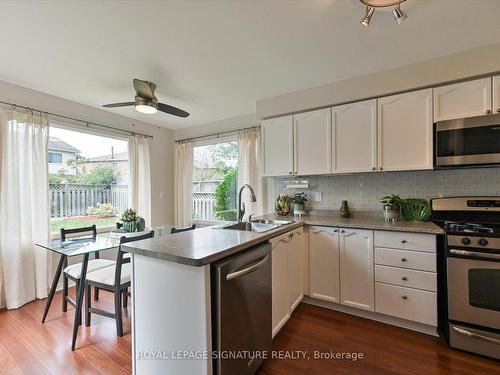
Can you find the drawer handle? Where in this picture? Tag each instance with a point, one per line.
(403, 259)
(404, 278)
(404, 297)
(403, 241)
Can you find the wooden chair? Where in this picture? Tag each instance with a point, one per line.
(179, 230)
(112, 279)
(72, 272)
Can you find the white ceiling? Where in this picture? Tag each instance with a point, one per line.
(216, 58)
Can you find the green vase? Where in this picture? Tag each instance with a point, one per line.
(345, 211)
(140, 224)
(129, 226)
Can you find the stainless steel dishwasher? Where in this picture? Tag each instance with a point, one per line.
(241, 310)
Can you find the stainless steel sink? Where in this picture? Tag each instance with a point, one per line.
(249, 226)
(275, 222)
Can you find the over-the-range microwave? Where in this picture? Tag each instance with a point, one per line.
(468, 141)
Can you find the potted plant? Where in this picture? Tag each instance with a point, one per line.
(416, 209)
(132, 222)
(299, 203)
(392, 207)
(283, 205)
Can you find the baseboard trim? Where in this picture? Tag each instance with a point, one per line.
(414, 326)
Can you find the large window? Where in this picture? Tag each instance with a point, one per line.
(214, 180)
(88, 179)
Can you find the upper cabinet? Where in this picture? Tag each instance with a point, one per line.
(277, 146)
(465, 99)
(354, 137)
(312, 141)
(405, 131)
(496, 94)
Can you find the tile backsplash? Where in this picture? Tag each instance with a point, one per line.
(363, 191)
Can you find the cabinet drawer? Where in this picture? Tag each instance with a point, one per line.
(405, 259)
(406, 277)
(405, 240)
(406, 303)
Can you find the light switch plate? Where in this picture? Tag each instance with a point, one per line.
(318, 196)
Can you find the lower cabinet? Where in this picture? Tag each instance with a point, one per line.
(287, 289)
(356, 269)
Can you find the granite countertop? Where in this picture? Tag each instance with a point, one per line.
(206, 245)
(203, 246)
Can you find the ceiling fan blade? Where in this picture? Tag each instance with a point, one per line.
(124, 104)
(144, 89)
(172, 110)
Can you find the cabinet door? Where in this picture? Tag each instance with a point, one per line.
(280, 295)
(356, 269)
(496, 94)
(405, 131)
(354, 137)
(277, 146)
(313, 142)
(294, 254)
(324, 263)
(466, 99)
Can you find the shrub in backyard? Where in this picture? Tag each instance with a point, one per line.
(102, 210)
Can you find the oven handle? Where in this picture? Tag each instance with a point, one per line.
(476, 336)
(466, 253)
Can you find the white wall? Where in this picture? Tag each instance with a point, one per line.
(161, 150)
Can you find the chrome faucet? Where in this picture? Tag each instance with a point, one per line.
(241, 205)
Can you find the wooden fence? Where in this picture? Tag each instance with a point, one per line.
(203, 206)
(73, 200)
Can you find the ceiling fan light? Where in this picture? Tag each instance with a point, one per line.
(146, 109)
(399, 15)
(368, 15)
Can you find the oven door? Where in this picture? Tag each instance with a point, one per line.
(474, 290)
(469, 141)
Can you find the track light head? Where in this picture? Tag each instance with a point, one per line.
(399, 15)
(368, 15)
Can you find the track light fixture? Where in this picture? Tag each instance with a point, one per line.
(399, 15)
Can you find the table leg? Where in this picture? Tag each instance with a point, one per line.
(53, 287)
(79, 300)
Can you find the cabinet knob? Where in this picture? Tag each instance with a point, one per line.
(498, 110)
(335, 230)
(404, 297)
(381, 168)
(342, 231)
(403, 259)
(290, 172)
(488, 111)
(404, 278)
(374, 168)
(403, 241)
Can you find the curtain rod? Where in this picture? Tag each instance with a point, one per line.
(216, 135)
(87, 123)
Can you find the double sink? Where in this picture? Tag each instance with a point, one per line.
(259, 226)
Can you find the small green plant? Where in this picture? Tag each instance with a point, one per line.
(416, 209)
(102, 210)
(299, 198)
(129, 215)
(283, 205)
(393, 199)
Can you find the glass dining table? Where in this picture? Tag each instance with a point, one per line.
(72, 247)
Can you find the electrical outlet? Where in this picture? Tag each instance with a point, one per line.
(318, 196)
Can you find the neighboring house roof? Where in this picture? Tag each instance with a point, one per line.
(119, 156)
(57, 144)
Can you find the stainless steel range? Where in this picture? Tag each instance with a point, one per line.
(472, 266)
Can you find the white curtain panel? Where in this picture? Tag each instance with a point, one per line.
(249, 170)
(24, 207)
(140, 176)
(184, 184)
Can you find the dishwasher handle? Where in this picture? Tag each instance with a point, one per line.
(245, 271)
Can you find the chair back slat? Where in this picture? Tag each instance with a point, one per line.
(91, 228)
(179, 230)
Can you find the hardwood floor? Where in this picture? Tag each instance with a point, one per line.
(29, 347)
(387, 349)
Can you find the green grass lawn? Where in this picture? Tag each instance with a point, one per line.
(84, 221)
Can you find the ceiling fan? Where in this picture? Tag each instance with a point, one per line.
(146, 101)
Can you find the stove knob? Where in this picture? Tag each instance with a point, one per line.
(466, 241)
(483, 242)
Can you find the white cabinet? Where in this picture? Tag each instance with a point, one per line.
(324, 263)
(356, 269)
(287, 289)
(405, 131)
(354, 137)
(277, 146)
(312, 142)
(465, 99)
(496, 94)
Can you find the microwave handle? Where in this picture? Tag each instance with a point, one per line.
(474, 254)
(476, 336)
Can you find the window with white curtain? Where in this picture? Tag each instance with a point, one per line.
(215, 172)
